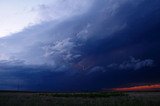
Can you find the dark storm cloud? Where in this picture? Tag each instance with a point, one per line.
(133, 64)
(78, 53)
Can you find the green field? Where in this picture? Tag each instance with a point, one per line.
(80, 99)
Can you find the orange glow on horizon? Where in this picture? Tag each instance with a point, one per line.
(139, 88)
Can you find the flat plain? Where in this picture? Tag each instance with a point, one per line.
(80, 99)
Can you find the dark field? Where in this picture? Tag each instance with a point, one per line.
(80, 99)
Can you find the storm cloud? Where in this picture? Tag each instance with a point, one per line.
(133, 64)
(78, 46)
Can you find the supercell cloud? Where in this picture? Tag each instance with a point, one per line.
(84, 45)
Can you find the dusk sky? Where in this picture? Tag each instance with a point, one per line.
(79, 45)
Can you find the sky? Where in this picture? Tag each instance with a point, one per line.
(79, 45)
(19, 14)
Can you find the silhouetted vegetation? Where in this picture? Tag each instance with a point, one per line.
(84, 95)
(80, 99)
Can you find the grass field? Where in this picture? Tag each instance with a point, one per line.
(80, 99)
